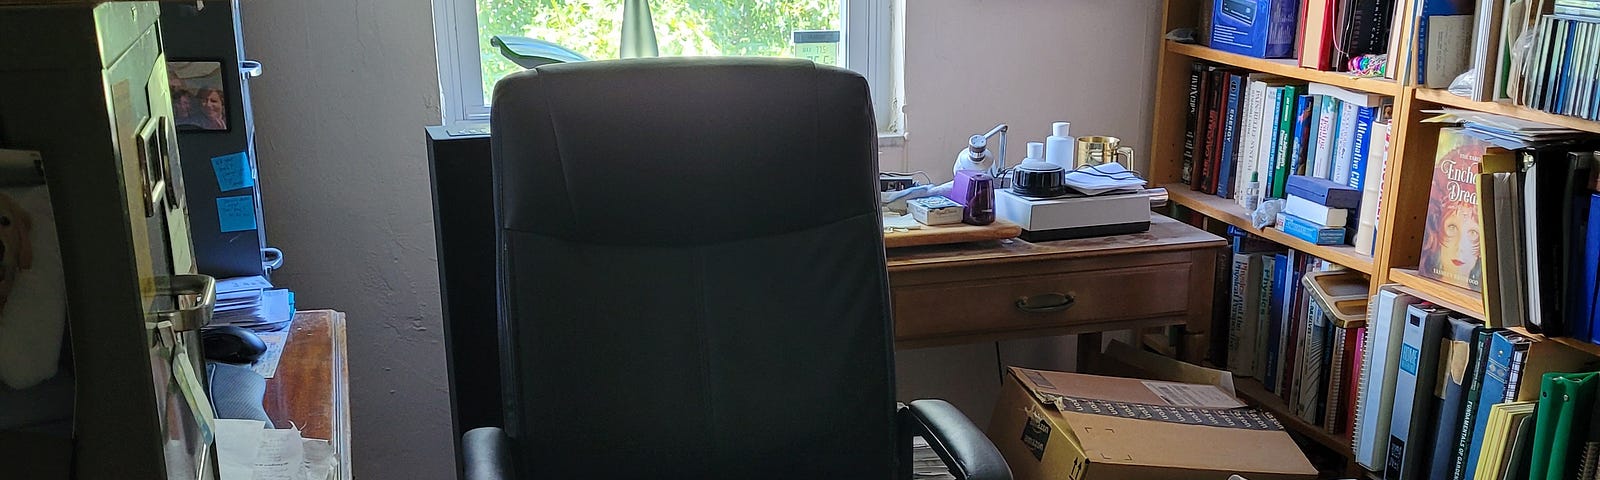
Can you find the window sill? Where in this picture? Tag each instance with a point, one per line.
(891, 139)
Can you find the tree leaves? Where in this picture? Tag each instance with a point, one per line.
(683, 27)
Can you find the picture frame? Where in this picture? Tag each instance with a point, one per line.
(199, 96)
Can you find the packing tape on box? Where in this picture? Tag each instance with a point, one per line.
(1243, 418)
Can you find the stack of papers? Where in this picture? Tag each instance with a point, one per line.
(1104, 178)
(1505, 132)
(251, 302)
(247, 450)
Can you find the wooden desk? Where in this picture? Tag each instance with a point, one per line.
(980, 292)
(311, 387)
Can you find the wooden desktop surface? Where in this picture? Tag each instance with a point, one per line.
(311, 386)
(1166, 234)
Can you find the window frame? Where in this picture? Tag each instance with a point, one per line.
(867, 49)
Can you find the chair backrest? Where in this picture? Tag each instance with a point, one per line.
(691, 271)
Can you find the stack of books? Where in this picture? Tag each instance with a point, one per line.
(1282, 335)
(1520, 226)
(1329, 35)
(1316, 210)
(1249, 133)
(1431, 383)
(1538, 53)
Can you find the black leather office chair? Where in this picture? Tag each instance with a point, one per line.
(692, 280)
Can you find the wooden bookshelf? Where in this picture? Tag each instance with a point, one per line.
(1446, 98)
(1286, 68)
(1574, 343)
(1227, 211)
(1440, 293)
(1406, 182)
(1253, 393)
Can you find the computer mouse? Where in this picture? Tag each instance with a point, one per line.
(231, 344)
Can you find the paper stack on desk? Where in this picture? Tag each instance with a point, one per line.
(1104, 178)
(251, 302)
(248, 451)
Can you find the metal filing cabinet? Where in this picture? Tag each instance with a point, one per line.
(210, 31)
(85, 85)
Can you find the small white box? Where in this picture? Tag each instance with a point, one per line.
(1322, 215)
(935, 210)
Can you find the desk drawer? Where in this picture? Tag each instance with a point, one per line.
(1002, 304)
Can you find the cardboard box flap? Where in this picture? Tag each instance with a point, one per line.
(1123, 360)
(1049, 387)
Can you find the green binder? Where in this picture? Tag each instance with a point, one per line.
(1564, 403)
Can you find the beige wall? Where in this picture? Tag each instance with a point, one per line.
(349, 85)
(346, 89)
(970, 64)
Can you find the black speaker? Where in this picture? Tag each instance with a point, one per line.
(461, 168)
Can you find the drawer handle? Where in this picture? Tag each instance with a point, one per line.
(1046, 303)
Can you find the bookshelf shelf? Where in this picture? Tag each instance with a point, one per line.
(1253, 393)
(1443, 97)
(1226, 210)
(1574, 343)
(1445, 295)
(1286, 68)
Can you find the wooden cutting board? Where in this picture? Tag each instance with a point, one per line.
(957, 233)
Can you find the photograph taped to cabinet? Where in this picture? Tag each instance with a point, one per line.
(33, 307)
(199, 101)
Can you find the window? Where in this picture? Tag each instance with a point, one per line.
(469, 66)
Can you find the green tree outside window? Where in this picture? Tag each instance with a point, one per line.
(683, 27)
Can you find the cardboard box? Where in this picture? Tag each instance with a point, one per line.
(1258, 28)
(1067, 426)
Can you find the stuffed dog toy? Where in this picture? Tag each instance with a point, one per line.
(16, 248)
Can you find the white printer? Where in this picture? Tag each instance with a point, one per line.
(1074, 215)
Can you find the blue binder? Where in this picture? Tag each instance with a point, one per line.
(1410, 431)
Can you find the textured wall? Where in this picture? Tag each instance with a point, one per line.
(970, 64)
(347, 87)
(350, 83)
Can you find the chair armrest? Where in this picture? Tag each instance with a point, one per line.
(963, 447)
(487, 453)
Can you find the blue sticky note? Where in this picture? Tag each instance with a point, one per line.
(233, 171)
(236, 214)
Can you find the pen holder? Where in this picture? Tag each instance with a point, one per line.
(1098, 150)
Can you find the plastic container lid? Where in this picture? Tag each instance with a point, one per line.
(1035, 151)
(1342, 294)
(1059, 129)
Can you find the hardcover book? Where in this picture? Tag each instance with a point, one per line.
(1481, 345)
(1286, 120)
(1451, 248)
(1455, 363)
(1197, 72)
(1237, 96)
(1379, 371)
(1410, 439)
